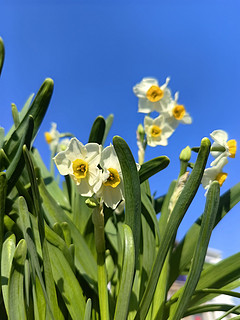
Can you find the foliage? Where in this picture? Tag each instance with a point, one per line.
(63, 257)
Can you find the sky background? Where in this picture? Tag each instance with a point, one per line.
(96, 51)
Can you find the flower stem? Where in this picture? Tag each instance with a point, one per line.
(98, 221)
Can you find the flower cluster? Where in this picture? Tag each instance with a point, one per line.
(153, 97)
(222, 148)
(94, 171)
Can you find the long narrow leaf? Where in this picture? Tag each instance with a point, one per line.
(131, 189)
(152, 167)
(176, 217)
(97, 131)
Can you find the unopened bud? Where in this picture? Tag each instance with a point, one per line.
(185, 154)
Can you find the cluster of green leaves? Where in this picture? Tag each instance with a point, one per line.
(50, 268)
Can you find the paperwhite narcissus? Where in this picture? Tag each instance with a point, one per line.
(81, 163)
(157, 131)
(176, 113)
(214, 173)
(152, 97)
(111, 190)
(220, 139)
(52, 137)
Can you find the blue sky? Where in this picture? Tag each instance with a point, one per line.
(96, 51)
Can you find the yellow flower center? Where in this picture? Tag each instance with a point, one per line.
(232, 147)
(48, 137)
(80, 168)
(155, 131)
(114, 179)
(221, 177)
(178, 111)
(154, 94)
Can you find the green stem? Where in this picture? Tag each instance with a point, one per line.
(98, 221)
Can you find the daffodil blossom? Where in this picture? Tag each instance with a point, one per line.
(111, 190)
(81, 163)
(176, 113)
(157, 131)
(52, 137)
(152, 97)
(220, 139)
(214, 173)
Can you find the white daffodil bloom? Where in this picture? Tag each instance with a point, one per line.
(176, 113)
(52, 137)
(220, 139)
(152, 97)
(111, 190)
(81, 163)
(157, 131)
(214, 173)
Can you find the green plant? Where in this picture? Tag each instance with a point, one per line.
(65, 256)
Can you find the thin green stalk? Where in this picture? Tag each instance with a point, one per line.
(98, 221)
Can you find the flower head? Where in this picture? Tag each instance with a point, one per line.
(176, 113)
(111, 189)
(214, 173)
(152, 97)
(220, 139)
(52, 137)
(63, 144)
(157, 131)
(81, 163)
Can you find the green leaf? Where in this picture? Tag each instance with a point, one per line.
(16, 302)
(210, 308)
(183, 253)
(132, 190)
(2, 54)
(2, 132)
(3, 194)
(67, 284)
(15, 115)
(175, 219)
(16, 166)
(152, 167)
(37, 110)
(108, 121)
(87, 315)
(97, 131)
(123, 297)
(184, 294)
(8, 250)
(51, 297)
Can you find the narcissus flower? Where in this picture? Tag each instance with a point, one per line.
(157, 131)
(81, 163)
(152, 97)
(214, 173)
(52, 137)
(176, 113)
(220, 139)
(111, 190)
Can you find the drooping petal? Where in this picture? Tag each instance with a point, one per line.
(112, 196)
(145, 106)
(84, 188)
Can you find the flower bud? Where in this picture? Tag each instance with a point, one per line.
(185, 154)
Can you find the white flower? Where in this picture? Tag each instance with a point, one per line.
(52, 137)
(214, 173)
(176, 113)
(220, 138)
(111, 190)
(151, 96)
(81, 163)
(157, 131)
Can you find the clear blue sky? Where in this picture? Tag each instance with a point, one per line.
(96, 51)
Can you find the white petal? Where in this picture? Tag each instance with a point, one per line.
(158, 121)
(219, 136)
(112, 196)
(93, 175)
(93, 153)
(167, 131)
(144, 105)
(75, 150)
(62, 163)
(84, 188)
(148, 121)
(186, 119)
